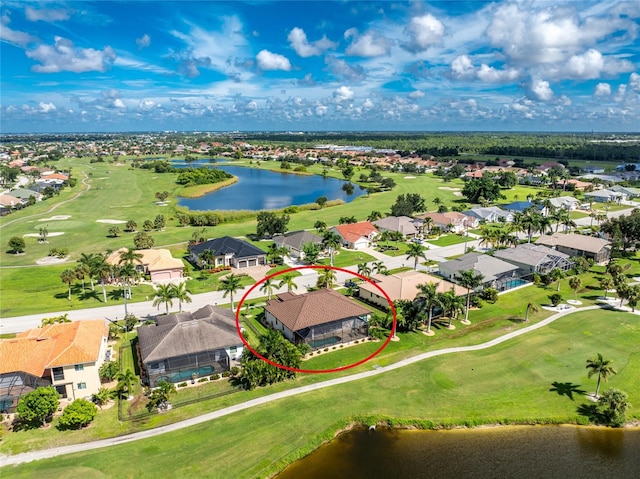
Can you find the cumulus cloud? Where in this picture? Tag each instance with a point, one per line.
(586, 66)
(143, 42)
(321, 110)
(603, 89)
(423, 32)
(47, 107)
(492, 75)
(64, 56)
(462, 68)
(343, 93)
(147, 105)
(46, 15)
(272, 61)
(634, 82)
(369, 44)
(344, 70)
(298, 41)
(542, 90)
(415, 94)
(15, 37)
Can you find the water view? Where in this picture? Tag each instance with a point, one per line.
(510, 452)
(259, 189)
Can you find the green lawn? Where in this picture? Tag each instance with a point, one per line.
(344, 257)
(401, 245)
(510, 381)
(204, 282)
(448, 240)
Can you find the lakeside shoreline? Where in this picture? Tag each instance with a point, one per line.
(198, 191)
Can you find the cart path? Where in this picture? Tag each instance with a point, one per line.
(136, 436)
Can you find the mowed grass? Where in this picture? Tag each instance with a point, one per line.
(511, 381)
(448, 240)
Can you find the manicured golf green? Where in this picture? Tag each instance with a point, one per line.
(511, 382)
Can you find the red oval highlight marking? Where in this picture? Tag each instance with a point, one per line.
(316, 371)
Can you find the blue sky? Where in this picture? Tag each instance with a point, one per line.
(304, 65)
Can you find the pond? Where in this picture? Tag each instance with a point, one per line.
(510, 452)
(259, 189)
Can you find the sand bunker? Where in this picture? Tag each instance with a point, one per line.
(112, 222)
(56, 218)
(448, 188)
(51, 260)
(457, 193)
(37, 235)
(409, 177)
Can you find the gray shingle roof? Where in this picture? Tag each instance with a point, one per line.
(530, 254)
(403, 224)
(297, 239)
(488, 266)
(227, 245)
(207, 329)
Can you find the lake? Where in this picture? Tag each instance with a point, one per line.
(503, 452)
(259, 189)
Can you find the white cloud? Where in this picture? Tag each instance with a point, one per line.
(298, 41)
(369, 44)
(586, 66)
(321, 110)
(144, 41)
(342, 69)
(368, 104)
(603, 89)
(147, 105)
(343, 93)
(14, 37)
(462, 68)
(47, 107)
(415, 94)
(492, 75)
(423, 32)
(64, 56)
(542, 90)
(118, 103)
(634, 82)
(46, 15)
(272, 61)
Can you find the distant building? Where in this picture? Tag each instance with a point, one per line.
(573, 244)
(294, 242)
(228, 251)
(356, 235)
(496, 273)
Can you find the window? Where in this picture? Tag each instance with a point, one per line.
(233, 349)
(79, 367)
(58, 374)
(82, 385)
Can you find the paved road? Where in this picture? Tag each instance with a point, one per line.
(146, 309)
(54, 452)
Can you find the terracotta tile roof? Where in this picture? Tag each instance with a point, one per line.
(55, 345)
(297, 312)
(354, 231)
(405, 285)
(152, 259)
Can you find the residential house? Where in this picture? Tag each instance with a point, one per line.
(157, 263)
(577, 184)
(534, 258)
(183, 346)
(490, 214)
(604, 196)
(522, 206)
(320, 318)
(9, 201)
(627, 191)
(228, 251)
(401, 224)
(574, 244)
(356, 235)
(496, 273)
(67, 356)
(452, 221)
(564, 202)
(294, 242)
(23, 194)
(594, 169)
(402, 286)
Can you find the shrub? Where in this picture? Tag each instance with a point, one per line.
(555, 298)
(326, 349)
(78, 414)
(356, 342)
(226, 374)
(214, 377)
(203, 380)
(342, 345)
(235, 370)
(182, 385)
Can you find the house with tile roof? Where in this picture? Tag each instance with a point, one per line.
(320, 318)
(181, 346)
(490, 214)
(67, 356)
(356, 235)
(573, 244)
(401, 224)
(496, 273)
(157, 263)
(294, 242)
(451, 221)
(228, 251)
(403, 286)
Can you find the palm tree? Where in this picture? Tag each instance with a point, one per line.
(230, 285)
(287, 280)
(575, 283)
(268, 286)
(606, 284)
(68, 276)
(364, 269)
(602, 367)
(320, 225)
(126, 272)
(452, 304)
(633, 297)
(89, 261)
(43, 234)
(164, 294)
(81, 272)
(276, 253)
(379, 267)
(181, 293)
(125, 382)
(530, 307)
(428, 298)
(470, 280)
(416, 251)
(207, 257)
(427, 223)
(102, 270)
(332, 241)
(130, 256)
(327, 278)
(556, 274)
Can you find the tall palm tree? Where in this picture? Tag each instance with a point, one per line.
(68, 276)
(88, 260)
(416, 251)
(452, 304)
(470, 280)
(81, 271)
(427, 223)
(332, 241)
(428, 298)
(633, 297)
(130, 256)
(364, 269)
(126, 272)
(268, 286)
(206, 258)
(181, 293)
(575, 283)
(606, 284)
(556, 275)
(287, 280)
(101, 269)
(125, 382)
(379, 267)
(327, 278)
(602, 367)
(230, 285)
(531, 307)
(164, 294)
